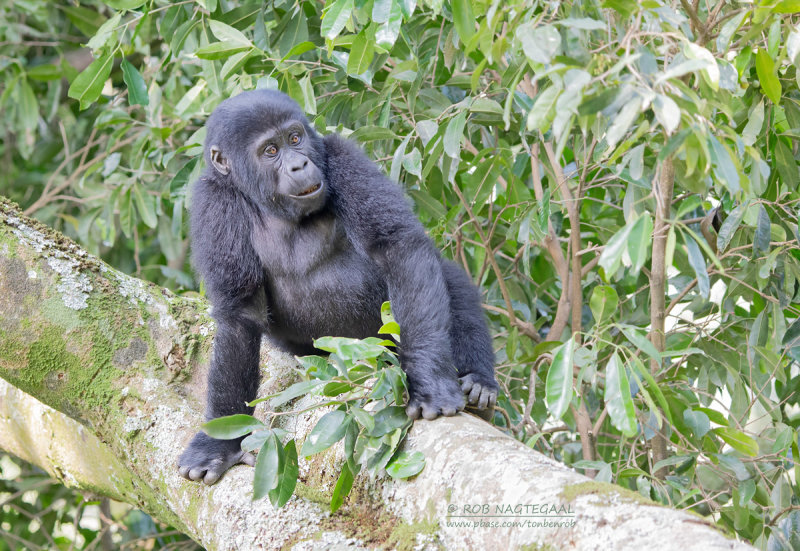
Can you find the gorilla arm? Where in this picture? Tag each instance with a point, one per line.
(379, 221)
(223, 256)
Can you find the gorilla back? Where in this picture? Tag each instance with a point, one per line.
(298, 237)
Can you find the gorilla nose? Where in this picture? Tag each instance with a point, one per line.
(298, 164)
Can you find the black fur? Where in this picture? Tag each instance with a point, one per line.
(301, 267)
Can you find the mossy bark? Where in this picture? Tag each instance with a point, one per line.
(103, 384)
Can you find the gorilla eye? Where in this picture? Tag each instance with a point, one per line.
(294, 139)
(271, 150)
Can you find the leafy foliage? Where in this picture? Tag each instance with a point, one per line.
(37, 512)
(363, 381)
(619, 176)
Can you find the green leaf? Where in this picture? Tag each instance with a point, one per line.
(343, 486)
(698, 264)
(226, 33)
(454, 135)
(372, 133)
(255, 440)
(269, 464)
(335, 17)
(762, 237)
(540, 115)
(677, 70)
(350, 349)
(309, 99)
(623, 121)
(711, 69)
(292, 392)
(639, 241)
(558, 387)
(125, 206)
(294, 40)
(640, 341)
(728, 29)
(583, 23)
(592, 105)
(287, 477)
(697, 421)
(105, 32)
(381, 10)
(220, 50)
(300, 49)
(729, 226)
(792, 334)
(234, 63)
(27, 107)
(386, 35)
(87, 20)
(391, 328)
(363, 418)
(44, 72)
(713, 415)
(539, 44)
(328, 430)
(88, 85)
(389, 419)
(644, 373)
(618, 397)
(137, 89)
(611, 256)
(463, 19)
(124, 4)
(755, 120)
(767, 76)
(787, 166)
(724, 167)
(674, 460)
(787, 6)
(738, 440)
(603, 303)
(406, 464)
(667, 112)
(145, 206)
(361, 53)
(232, 426)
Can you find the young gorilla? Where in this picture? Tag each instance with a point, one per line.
(299, 236)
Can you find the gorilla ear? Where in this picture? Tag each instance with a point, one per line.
(219, 161)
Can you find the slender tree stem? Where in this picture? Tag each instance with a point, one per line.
(662, 190)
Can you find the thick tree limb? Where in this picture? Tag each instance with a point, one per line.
(103, 383)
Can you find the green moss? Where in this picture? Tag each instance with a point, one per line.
(312, 494)
(50, 365)
(404, 535)
(538, 547)
(604, 489)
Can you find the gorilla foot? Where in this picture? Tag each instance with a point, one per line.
(206, 459)
(479, 395)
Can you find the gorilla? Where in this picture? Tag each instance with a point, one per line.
(299, 236)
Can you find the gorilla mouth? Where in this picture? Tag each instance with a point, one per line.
(310, 191)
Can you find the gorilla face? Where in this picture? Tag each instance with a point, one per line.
(272, 155)
(282, 156)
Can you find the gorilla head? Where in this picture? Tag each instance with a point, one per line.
(262, 143)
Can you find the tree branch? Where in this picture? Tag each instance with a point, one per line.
(103, 379)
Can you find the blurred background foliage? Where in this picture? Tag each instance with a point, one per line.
(620, 178)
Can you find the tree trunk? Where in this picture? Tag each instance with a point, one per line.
(103, 386)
